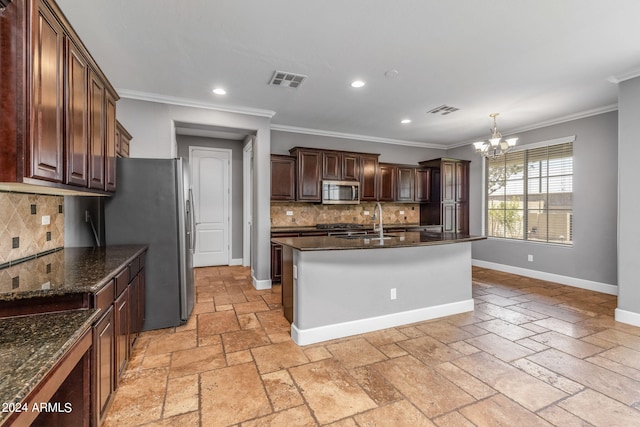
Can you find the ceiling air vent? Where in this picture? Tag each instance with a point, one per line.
(282, 78)
(443, 110)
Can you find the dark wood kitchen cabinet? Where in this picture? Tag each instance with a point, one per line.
(50, 122)
(387, 182)
(123, 140)
(283, 178)
(103, 380)
(449, 201)
(77, 116)
(122, 312)
(276, 255)
(368, 177)
(309, 169)
(422, 185)
(405, 191)
(47, 85)
(340, 166)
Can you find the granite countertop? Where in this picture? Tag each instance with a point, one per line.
(69, 271)
(363, 227)
(398, 240)
(31, 345)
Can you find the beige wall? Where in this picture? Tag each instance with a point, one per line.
(310, 214)
(16, 220)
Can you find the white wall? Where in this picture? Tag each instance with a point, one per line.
(151, 125)
(591, 261)
(629, 202)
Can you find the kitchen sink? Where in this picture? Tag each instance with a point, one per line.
(365, 236)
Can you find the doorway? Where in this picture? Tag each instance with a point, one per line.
(211, 183)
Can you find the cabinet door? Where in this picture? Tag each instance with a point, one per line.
(387, 183)
(276, 263)
(331, 166)
(449, 217)
(462, 182)
(350, 167)
(368, 178)
(406, 182)
(283, 178)
(104, 364)
(47, 105)
(422, 185)
(462, 218)
(448, 181)
(97, 107)
(77, 147)
(122, 333)
(134, 295)
(110, 143)
(309, 164)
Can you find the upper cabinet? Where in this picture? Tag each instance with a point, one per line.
(309, 168)
(387, 182)
(340, 166)
(369, 177)
(123, 141)
(58, 111)
(283, 178)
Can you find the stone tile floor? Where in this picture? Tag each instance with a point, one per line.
(533, 353)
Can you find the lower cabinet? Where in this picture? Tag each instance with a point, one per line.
(114, 334)
(103, 380)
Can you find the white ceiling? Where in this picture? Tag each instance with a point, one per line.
(533, 61)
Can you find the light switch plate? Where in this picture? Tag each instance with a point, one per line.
(289, 213)
(46, 220)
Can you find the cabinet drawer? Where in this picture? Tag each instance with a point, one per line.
(134, 267)
(122, 281)
(104, 298)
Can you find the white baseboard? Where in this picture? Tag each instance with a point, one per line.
(605, 288)
(360, 326)
(235, 261)
(628, 317)
(261, 284)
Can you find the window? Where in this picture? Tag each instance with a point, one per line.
(530, 194)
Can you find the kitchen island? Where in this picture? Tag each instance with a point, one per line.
(340, 286)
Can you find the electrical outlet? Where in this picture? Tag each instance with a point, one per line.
(392, 294)
(46, 220)
(289, 213)
(366, 212)
(295, 271)
(401, 212)
(530, 258)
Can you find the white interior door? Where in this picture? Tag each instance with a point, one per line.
(211, 178)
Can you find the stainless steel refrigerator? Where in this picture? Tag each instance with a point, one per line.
(152, 206)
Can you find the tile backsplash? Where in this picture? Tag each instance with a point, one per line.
(310, 214)
(22, 233)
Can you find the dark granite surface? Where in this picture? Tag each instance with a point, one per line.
(31, 345)
(369, 227)
(397, 240)
(69, 271)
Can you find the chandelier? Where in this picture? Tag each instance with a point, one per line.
(495, 146)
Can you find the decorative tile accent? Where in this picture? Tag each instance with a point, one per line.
(310, 214)
(21, 231)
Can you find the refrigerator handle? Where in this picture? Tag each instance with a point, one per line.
(192, 221)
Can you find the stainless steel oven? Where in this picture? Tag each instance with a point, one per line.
(340, 192)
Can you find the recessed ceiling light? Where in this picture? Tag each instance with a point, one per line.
(357, 83)
(405, 121)
(219, 91)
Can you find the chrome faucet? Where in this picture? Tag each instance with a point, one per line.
(378, 211)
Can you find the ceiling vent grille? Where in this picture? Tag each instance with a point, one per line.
(282, 78)
(443, 110)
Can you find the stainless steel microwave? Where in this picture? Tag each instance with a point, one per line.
(340, 192)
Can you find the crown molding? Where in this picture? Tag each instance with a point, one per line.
(624, 76)
(320, 132)
(559, 120)
(184, 102)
